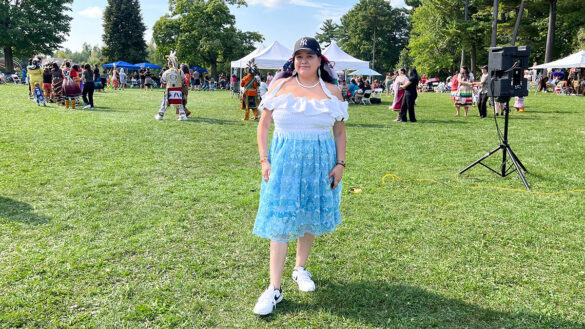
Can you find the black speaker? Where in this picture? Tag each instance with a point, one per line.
(506, 67)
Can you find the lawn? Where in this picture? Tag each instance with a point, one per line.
(110, 219)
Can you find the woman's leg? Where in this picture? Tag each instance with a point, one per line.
(458, 111)
(84, 95)
(466, 110)
(91, 87)
(303, 249)
(277, 257)
(411, 105)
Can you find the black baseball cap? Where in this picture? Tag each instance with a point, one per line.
(309, 44)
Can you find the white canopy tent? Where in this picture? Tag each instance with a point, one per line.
(273, 56)
(368, 72)
(575, 60)
(242, 62)
(342, 60)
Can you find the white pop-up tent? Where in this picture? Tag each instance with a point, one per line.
(342, 60)
(273, 56)
(242, 62)
(575, 60)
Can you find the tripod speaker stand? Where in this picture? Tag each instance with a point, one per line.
(506, 67)
(505, 170)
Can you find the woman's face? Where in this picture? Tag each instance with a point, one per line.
(462, 71)
(306, 63)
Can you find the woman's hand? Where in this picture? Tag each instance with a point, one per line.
(265, 171)
(336, 173)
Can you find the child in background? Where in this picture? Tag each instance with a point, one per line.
(39, 95)
(212, 85)
(519, 104)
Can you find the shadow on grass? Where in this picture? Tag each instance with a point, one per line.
(367, 125)
(461, 121)
(16, 211)
(381, 304)
(195, 119)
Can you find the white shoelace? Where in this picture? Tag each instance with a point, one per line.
(268, 294)
(303, 275)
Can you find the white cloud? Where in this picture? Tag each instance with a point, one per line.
(268, 3)
(92, 12)
(398, 4)
(281, 3)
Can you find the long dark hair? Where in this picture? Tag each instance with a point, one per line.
(413, 74)
(466, 74)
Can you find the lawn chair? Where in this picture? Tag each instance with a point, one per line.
(366, 97)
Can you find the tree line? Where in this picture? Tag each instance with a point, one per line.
(436, 36)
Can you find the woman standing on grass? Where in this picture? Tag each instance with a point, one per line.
(301, 187)
(464, 96)
(399, 93)
(88, 86)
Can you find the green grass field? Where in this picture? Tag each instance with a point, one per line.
(110, 219)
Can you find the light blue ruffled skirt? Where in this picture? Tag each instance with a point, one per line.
(298, 198)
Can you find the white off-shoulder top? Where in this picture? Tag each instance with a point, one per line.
(298, 114)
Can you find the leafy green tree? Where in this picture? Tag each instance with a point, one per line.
(88, 54)
(580, 40)
(329, 32)
(404, 60)
(124, 32)
(32, 27)
(374, 30)
(202, 32)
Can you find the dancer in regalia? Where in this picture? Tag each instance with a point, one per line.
(250, 94)
(173, 79)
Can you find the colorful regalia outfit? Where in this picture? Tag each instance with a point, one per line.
(298, 198)
(173, 79)
(39, 95)
(71, 90)
(519, 103)
(35, 74)
(185, 89)
(464, 95)
(250, 94)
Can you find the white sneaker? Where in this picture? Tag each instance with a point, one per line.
(182, 117)
(303, 278)
(267, 301)
(159, 117)
(87, 107)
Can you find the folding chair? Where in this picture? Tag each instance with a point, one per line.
(366, 97)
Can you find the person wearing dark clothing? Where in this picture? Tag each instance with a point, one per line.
(88, 87)
(409, 99)
(483, 96)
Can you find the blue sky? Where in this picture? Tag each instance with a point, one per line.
(284, 21)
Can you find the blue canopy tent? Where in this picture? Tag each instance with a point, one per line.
(148, 66)
(122, 65)
(199, 68)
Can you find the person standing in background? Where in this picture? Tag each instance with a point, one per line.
(483, 89)
(88, 87)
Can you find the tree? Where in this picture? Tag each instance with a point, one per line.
(580, 40)
(373, 29)
(550, 36)
(124, 32)
(202, 32)
(330, 31)
(25, 30)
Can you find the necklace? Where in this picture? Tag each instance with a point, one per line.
(308, 87)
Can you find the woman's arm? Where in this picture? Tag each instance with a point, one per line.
(340, 142)
(262, 136)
